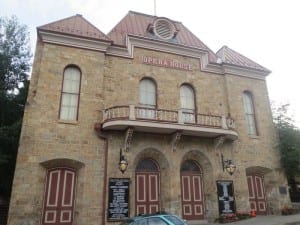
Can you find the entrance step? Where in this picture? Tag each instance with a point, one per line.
(197, 222)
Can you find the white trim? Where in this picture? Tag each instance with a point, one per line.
(253, 190)
(141, 207)
(198, 177)
(196, 211)
(46, 216)
(69, 215)
(187, 206)
(79, 42)
(187, 178)
(156, 187)
(138, 189)
(72, 188)
(49, 188)
(151, 206)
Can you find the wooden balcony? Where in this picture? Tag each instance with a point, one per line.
(164, 121)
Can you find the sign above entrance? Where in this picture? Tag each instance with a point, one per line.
(169, 63)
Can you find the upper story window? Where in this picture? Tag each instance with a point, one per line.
(148, 93)
(187, 102)
(147, 99)
(70, 94)
(249, 113)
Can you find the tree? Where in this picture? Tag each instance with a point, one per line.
(289, 141)
(15, 56)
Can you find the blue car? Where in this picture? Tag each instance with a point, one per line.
(154, 219)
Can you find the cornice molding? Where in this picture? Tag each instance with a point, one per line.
(72, 41)
(135, 41)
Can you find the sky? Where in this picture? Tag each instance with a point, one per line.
(266, 31)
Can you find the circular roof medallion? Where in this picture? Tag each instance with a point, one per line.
(164, 29)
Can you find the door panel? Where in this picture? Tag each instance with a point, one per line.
(191, 191)
(147, 193)
(257, 194)
(59, 197)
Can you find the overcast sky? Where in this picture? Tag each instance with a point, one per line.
(266, 31)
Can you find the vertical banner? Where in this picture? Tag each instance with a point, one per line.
(118, 201)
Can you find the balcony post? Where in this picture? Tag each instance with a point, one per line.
(180, 116)
(224, 123)
(131, 112)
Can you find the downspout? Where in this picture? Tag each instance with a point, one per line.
(105, 138)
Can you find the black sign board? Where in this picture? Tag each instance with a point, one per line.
(226, 197)
(118, 202)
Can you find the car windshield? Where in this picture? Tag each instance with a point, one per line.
(175, 220)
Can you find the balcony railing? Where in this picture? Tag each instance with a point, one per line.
(131, 112)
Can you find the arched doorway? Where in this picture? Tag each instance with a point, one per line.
(191, 191)
(59, 197)
(147, 187)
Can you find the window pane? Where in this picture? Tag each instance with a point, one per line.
(147, 92)
(249, 113)
(70, 94)
(187, 97)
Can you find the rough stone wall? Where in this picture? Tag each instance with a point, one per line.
(46, 138)
(110, 81)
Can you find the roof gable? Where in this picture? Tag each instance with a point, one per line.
(229, 56)
(136, 24)
(76, 26)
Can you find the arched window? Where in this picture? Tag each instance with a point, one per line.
(70, 94)
(147, 99)
(187, 103)
(249, 113)
(147, 93)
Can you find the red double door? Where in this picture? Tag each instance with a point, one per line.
(59, 197)
(147, 187)
(191, 191)
(257, 196)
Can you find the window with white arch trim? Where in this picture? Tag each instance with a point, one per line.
(70, 94)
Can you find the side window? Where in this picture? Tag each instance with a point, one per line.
(70, 94)
(187, 103)
(147, 99)
(249, 113)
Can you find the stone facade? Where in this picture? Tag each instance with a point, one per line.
(108, 80)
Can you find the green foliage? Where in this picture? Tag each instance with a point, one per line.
(14, 65)
(289, 141)
(14, 54)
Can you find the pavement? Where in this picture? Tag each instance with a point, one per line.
(268, 220)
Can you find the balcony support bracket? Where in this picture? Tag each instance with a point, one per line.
(218, 141)
(128, 138)
(175, 140)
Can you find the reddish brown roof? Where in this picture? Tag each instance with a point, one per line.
(75, 25)
(136, 24)
(232, 57)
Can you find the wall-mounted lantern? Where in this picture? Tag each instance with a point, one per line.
(228, 165)
(123, 162)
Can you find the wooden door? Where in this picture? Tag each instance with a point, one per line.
(191, 191)
(257, 196)
(147, 187)
(59, 197)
